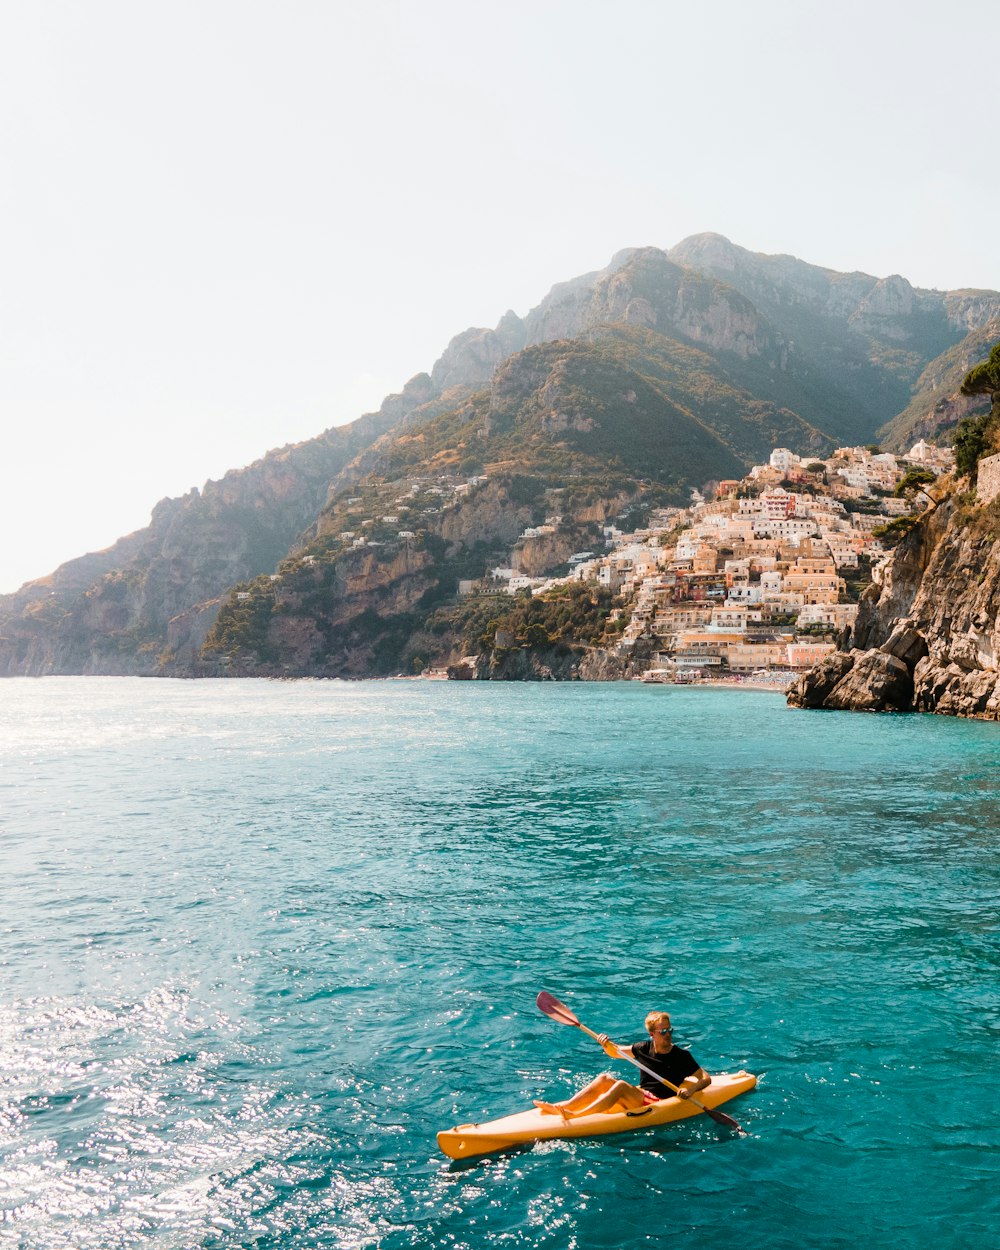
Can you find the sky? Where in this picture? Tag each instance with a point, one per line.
(230, 224)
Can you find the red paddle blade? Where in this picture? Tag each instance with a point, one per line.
(555, 1009)
(720, 1117)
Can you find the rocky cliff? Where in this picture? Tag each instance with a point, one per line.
(337, 609)
(929, 631)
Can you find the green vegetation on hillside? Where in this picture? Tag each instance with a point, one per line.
(623, 398)
(570, 616)
(244, 622)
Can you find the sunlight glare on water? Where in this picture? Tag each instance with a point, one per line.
(261, 941)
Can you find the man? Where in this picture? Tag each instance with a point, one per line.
(671, 1063)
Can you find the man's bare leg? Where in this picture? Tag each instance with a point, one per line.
(603, 1093)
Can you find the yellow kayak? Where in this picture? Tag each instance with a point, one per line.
(468, 1140)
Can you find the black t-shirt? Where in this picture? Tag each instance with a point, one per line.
(674, 1066)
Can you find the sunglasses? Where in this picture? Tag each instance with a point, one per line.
(653, 1032)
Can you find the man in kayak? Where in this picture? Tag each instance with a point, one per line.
(670, 1062)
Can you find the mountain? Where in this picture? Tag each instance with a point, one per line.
(129, 608)
(887, 348)
(623, 389)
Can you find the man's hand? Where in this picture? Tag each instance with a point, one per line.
(610, 1048)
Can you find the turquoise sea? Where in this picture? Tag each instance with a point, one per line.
(260, 941)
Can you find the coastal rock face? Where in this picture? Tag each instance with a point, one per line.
(906, 643)
(875, 682)
(524, 664)
(186, 634)
(929, 628)
(951, 690)
(813, 688)
(600, 665)
(556, 663)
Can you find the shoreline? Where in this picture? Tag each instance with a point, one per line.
(778, 687)
(736, 684)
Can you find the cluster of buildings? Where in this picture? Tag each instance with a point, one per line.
(754, 579)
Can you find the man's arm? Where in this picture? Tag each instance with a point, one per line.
(693, 1083)
(612, 1049)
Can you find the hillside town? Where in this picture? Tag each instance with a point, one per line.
(760, 579)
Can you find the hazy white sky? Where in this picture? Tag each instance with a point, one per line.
(225, 226)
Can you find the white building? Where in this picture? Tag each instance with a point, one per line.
(744, 594)
(783, 459)
(833, 615)
(791, 530)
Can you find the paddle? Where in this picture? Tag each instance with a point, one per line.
(556, 1010)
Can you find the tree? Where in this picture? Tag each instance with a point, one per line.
(969, 443)
(984, 379)
(914, 482)
(537, 636)
(891, 533)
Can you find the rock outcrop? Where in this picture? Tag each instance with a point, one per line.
(600, 665)
(875, 682)
(529, 664)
